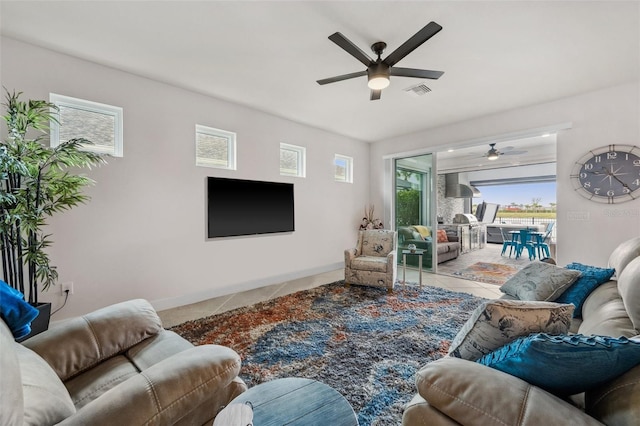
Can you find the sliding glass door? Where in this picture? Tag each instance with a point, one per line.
(414, 206)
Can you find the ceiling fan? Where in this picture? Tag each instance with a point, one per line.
(493, 153)
(379, 70)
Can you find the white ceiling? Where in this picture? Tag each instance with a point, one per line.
(516, 152)
(496, 55)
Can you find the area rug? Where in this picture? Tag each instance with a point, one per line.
(492, 273)
(361, 341)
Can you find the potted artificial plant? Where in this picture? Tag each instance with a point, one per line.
(35, 183)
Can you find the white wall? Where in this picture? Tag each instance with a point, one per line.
(143, 232)
(587, 231)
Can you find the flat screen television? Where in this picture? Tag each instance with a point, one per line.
(247, 207)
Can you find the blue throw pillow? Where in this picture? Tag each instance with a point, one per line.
(565, 364)
(577, 293)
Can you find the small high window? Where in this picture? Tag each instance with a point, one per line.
(215, 148)
(343, 168)
(292, 160)
(101, 124)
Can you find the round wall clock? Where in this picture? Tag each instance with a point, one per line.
(610, 174)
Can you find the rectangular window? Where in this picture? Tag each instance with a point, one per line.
(344, 168)
(215, 148)
(292, 160)
(101, 124)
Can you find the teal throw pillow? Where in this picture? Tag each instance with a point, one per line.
(565, 364)
(591, 278)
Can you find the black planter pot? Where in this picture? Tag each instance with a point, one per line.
(41, 322)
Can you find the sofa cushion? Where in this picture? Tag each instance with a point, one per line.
(370, 263)
(473, 394)
(604, 313)
(442, 236)
(591, 277)
(377, 242)
(539, 281)
(623, 254)
(91, 384)
(565, 364)
(46, 400)
(495, 323)
(11, 380)
(629, 288)
(155, 349)
(96, 336)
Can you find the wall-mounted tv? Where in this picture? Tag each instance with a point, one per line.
(247, 207)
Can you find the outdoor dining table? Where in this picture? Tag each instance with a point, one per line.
(523, 238)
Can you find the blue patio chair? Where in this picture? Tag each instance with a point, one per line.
(510, 242)
(541, 243)
(526, 242)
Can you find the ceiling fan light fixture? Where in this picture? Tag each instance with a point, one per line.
(493, 153)
(378, 82)
(378, 76)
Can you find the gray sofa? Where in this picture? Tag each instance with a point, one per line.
(445, 250)
(114, 366)
(494, 235)
(453, 391)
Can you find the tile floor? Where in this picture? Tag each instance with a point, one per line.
(221, 304)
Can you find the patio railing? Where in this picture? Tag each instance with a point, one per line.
(524, 221)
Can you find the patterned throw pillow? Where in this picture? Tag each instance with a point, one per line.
(539, 281)
(565, 365)
(497, 322)
(442, 236)
(591, 278)
(377, 242)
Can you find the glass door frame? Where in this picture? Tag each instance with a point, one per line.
(431, 202)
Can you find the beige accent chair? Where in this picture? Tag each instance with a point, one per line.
(373, 261)
(114, 366)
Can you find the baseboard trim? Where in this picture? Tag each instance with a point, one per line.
(188, 299)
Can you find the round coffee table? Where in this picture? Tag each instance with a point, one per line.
(296, 401)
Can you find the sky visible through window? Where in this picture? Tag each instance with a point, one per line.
(521, 194)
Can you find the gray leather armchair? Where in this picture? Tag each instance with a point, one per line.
(114, 366)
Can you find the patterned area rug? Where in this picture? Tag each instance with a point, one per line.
(492, 273)
(361, 341)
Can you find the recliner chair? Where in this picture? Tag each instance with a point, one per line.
(373, 260)
(114, 366)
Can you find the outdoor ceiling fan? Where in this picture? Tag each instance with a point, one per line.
(493, 153)
(378, 71)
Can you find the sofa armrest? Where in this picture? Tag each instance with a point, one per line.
(349, 255)
(466, 392)
(77, 344)
(418, 412)
(165, 392)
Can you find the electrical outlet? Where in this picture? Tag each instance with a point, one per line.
(66, 286)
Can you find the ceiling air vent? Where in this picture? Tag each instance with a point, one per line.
(418, 89)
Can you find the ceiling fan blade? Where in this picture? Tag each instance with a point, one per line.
(351, 48)
(514, 152)
(410, 45)
(412, 72)
(375, 95)
(342, 77)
